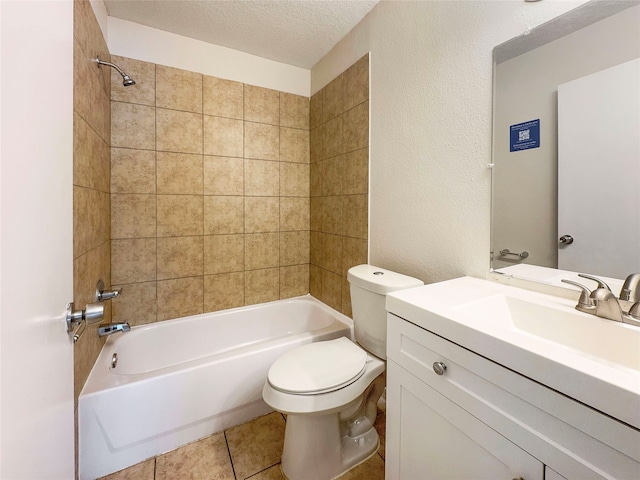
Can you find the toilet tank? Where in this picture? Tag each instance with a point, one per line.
(369, 286)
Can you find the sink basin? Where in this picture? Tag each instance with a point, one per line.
(543, 337)
(587, 334)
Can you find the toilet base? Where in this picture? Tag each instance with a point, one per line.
(324, 446)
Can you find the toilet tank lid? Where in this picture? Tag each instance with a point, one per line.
(381, 281)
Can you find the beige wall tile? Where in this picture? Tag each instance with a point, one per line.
(333, 137)
(294, 248)
(346, 298)
(178, 131)
(261, 141)
(223, 176)
(133, 126)
(315, 281)
(223, 215)
(180, 215)
(207, 458)
(137, 304)
(356, 127)
(144, 74)
(315, 110)
(178, 89)
(223, 291)
(294, 213)
(262, 286)
(331, 289)
(333, 175)
(315, 213)
(223, 136)
(261, 251)
(223, 254)
(294, 111)
(294, 281)
(180, 257)
(90, 157)
(261, 178)
(332, 252)
(88, 269)
(356, 83)
(133, 260)
(354, 252)
(356, 174)
(133, 215)
(133, 171)
(261, 214)
(356, 216)
(316, 170)
(223, 98)
(332, 221)
(316, 248)
(90, 99)
(316, 152)
(332, 99)
(179, 173)
(261, 105)
(91, 219)
(294, 145)
(294, 179)
(180, 297)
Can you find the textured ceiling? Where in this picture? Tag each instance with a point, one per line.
(295, 32)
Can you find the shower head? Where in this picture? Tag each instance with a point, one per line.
(127, 81)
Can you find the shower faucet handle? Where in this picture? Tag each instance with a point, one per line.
(102, 294)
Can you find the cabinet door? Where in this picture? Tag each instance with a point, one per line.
(551, 474)
(431, 438)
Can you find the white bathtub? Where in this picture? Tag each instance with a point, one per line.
(181, 380)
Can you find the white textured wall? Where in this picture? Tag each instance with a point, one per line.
(431, 96)
(133, 40)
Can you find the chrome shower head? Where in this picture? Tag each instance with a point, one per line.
(127, 80)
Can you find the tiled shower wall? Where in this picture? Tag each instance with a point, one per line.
(91, 173)
(209, 193)
(339, 183)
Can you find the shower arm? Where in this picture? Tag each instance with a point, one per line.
(112, 65)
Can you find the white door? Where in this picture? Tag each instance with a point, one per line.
(36, 253)
(599, 172)
(429, 437)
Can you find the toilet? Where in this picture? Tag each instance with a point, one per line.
(330, 389)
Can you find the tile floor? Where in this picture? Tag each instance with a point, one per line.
(248, 451)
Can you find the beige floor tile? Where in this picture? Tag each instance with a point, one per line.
(207, 459)
(141, 471)
(381, 425)
(272, 473)
(256, 445)
(372, 469)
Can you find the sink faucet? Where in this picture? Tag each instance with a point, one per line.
(111, 328)
(631, 288)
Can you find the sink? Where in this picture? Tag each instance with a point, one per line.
(586, 334)
(543, 337)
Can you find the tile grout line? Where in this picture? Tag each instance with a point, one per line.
(226, 442)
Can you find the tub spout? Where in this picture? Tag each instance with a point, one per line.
(112, 328)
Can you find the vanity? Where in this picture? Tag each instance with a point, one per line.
(490, 381)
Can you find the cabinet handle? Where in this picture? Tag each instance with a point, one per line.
(439, 368)
(519, 478)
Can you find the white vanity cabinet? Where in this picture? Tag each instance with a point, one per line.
(480, 420)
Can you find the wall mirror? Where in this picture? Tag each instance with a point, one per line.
(566, 145)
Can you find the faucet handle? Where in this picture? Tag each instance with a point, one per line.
(102, 294)
(600, 283)
(631, 288)
(585, 302)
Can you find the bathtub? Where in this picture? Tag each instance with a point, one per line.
(180, 380)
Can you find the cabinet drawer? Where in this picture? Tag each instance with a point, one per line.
(573, 439)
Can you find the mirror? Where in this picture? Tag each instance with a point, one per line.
(566, 145)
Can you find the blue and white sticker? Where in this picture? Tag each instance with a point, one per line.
(525, 135)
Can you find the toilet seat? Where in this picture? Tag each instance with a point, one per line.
(317, 368)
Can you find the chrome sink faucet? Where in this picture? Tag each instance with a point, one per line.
(604, 304)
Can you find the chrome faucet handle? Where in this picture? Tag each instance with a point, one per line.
(631, 288)
(600, 283)
(585, 302)
(102, 294)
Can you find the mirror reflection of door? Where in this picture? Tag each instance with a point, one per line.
(599, 171)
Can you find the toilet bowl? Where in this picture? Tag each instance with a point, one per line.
(329, 390)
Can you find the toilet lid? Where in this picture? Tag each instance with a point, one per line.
(318, 367)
